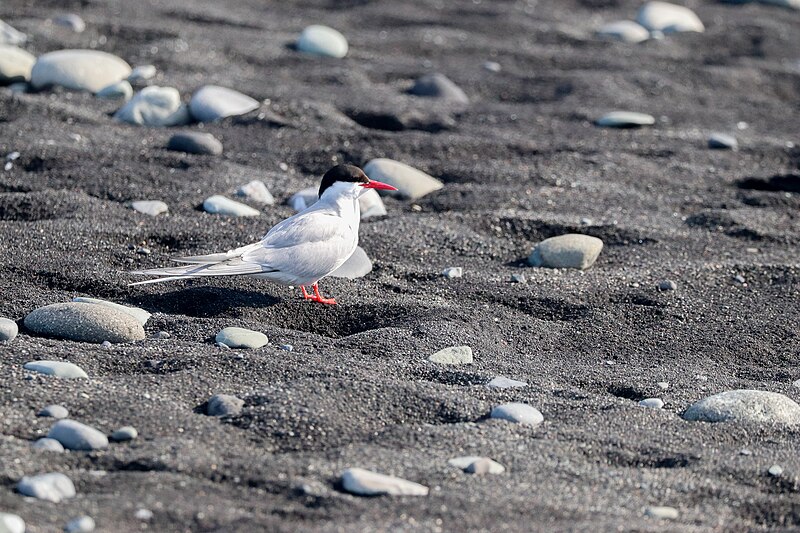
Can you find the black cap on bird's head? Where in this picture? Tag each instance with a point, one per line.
(350, 174)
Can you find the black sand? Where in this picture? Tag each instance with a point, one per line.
(521, 163)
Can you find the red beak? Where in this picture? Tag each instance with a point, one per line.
(378, 185)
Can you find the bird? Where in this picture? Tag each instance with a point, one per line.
(298, 251)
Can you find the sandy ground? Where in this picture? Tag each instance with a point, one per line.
(522, 162)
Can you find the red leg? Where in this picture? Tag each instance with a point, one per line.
(306, 296)
(319, 298)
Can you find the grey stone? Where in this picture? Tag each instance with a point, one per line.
(410, 182)
(722, 141)
(85, 322)
(667, 285)
(566, 251)
(484, 465)
(256, 191)
(454, 355)
(11, 523)
(775, 470)
(212, 103)
(224, 405)
(88, 70)
(59, 369)
(668, 18)
(518, 278)
(357, 265)
(234, 337)
(124, 433)
(70, 21)
(220, 205)
(139, 314)
(367, 483)
(15, 64)
(663, 385)
(501, 382)
(438, 85)
(8, 329)
(118, 90)
(49, 445)
(150, 207)
(453, 272)
(371, 205)
(304, 199)
(76, 436)
(10, 35)
(492, 66)
(142, 73)
(53, 487)
(323, 41)
(195, 142)
(143, 514)
(519, 413)
(652, 403)
(624, 30)
(625, 119)
(81, 524)
(746, 406)
(661, 512)
(155, 106)
(54, 411)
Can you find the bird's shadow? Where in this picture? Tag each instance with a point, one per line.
(205, 301)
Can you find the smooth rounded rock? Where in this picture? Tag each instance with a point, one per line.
(722, 141)
(652, 403)
(667, 285)
(357, 266)
(81, 524)
(775, 470)
(124, 433)
(624, 30)
(155, 106)
(454, 355)
(220, 205)
(70, 21)
(453, 272)
(85, 322)
(11, 523)
(49, 445)
(54, 411)
(76, 436)
(195, 142)
(501, 382)
(371, 205)
(150, 207)
(224, 405)
(139, 314)
(566, 251)
(746, 406)
(668, 18)
(625, 119)
(15, 64)
(519, 413)
(118, 90)
(87, 70)
(322, 41)
(53, 487)
(437, 85)
(256, 191)
(212, 103)
(410, 182)
(304, 199)
(142, 73)
(484, 465)
(234, 337)
(8, 329)
(367, 483)
(662, 512)
(59, 369)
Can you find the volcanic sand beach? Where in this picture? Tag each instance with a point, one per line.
(521, 162)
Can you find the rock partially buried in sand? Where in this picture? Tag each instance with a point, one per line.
(304, 199)
(662, 512)
(477, 465)
(322, 41)
(53, 487)
(76, 436)
(224, 405)
(722, 141)
(139, 314)
(195, 142)
(519, 413)
(371, 205)
(566, 251)
(10, 35)
(150, 207)
(357, 266)
(142, 73)
(256, 191)
(501, 382)
(625, 119)
(70, 21)
(454, 355)
(212, 103)
(438, 85)
(82, 70)
(668, 18)
(410, 182)
(241, 338)
(8, 330)
(54, 411)
(15, 64)
(49, 445)
(119, 90)
(746, 406)
(624, 30)
(220, 205)
(11, 523)
(155, 106)
(124, 434)
(59, 369)
(367, 483)
(652, 403)
(81, 524)
(85, 322)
